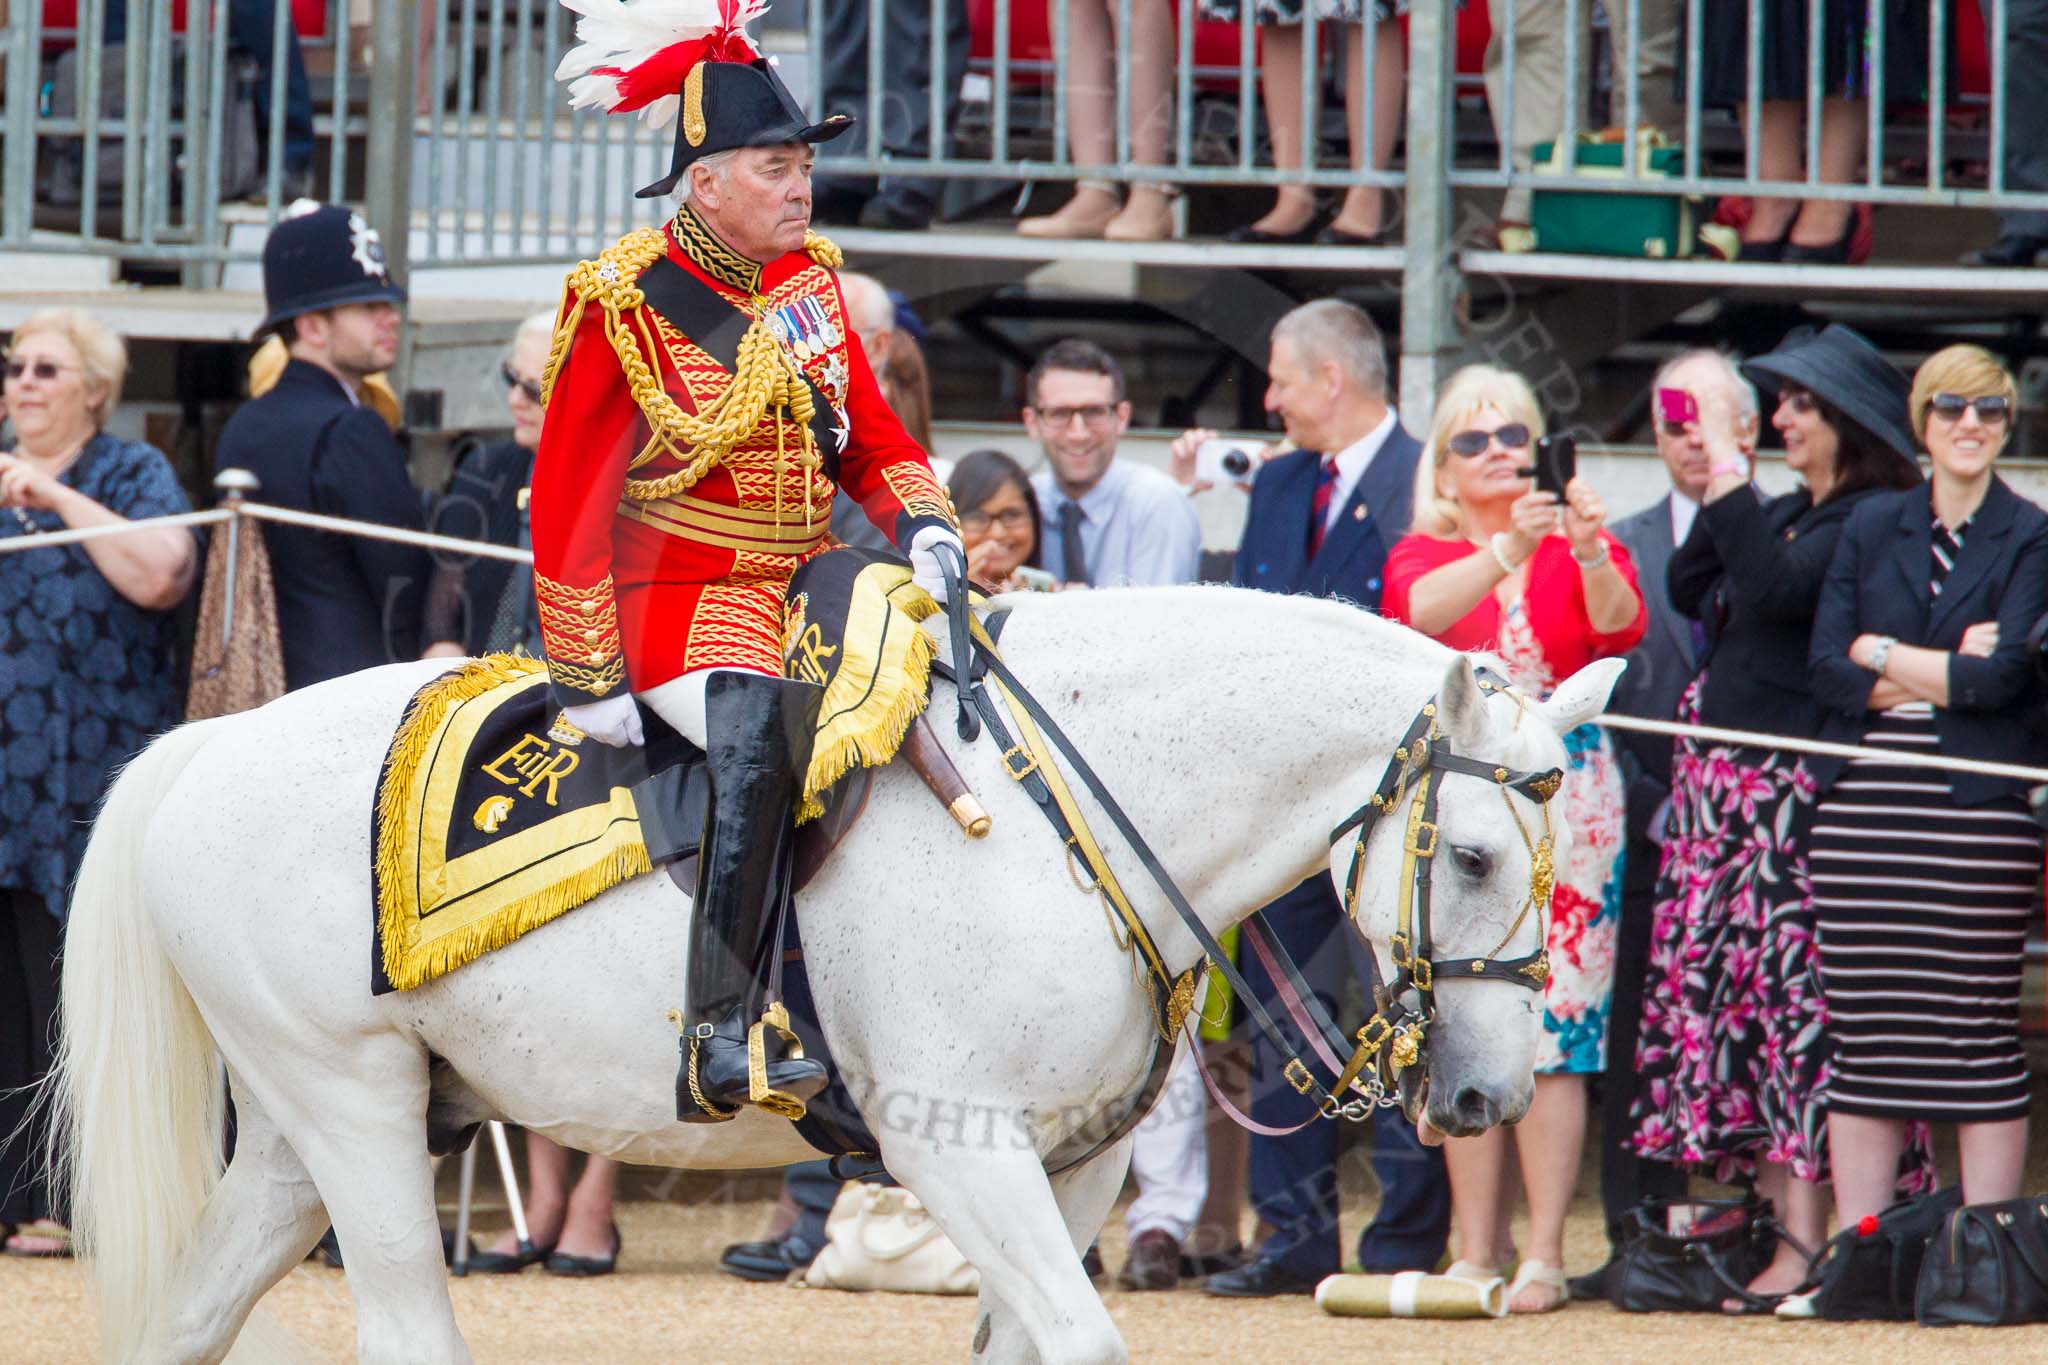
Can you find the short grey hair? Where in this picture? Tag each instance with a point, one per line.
(867, 303)
(539, 327)
(1342, 334)
(718, 163)
(1739, 386)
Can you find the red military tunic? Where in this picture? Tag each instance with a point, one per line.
(659, 548)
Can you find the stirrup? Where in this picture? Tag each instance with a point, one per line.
(779, 1102)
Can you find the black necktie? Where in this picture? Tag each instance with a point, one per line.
(1075, 558)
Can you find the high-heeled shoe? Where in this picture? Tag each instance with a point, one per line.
(1087, 215)
(1841, 251)
(1251, 234)
(1147, 216)
(1336, 236)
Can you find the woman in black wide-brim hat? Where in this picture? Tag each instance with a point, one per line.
(1731, 1053)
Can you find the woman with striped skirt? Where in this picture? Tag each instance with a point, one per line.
(1925, 878)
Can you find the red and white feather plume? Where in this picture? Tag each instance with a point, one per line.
(633, 54)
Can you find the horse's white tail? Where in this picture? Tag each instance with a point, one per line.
(134, 1101)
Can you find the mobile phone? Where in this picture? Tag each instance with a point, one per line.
(1676, 405)
(1557, 462)
(1223, 461)
(1035, 580)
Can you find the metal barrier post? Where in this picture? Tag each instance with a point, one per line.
(388, 150)
(1429, 285)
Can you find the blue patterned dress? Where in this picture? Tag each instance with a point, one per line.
(87, 678)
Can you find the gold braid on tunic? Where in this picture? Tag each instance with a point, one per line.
(766, 381)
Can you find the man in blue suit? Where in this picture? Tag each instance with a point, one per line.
(1322, 519)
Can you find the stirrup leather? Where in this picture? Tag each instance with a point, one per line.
(776, 1102)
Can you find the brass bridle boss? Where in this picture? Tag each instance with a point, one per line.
(1392, 1040)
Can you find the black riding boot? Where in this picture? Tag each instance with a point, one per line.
(758, 745)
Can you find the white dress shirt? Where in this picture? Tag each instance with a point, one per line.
(1683, 511)
(1352, 462)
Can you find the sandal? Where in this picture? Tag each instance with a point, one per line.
(1534, 1273)
(54, 1236)
(1467, 1270)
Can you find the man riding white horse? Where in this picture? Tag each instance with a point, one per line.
(706, 396)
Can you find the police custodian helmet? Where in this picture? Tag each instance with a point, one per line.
(322, 256)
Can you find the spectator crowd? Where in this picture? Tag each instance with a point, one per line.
(1769, 967)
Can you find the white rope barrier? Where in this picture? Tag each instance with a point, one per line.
(1752, 739)
(426, 540)
(487, 550)
(43, 540)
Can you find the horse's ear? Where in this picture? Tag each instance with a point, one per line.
(1460, 705)
(1583, 695)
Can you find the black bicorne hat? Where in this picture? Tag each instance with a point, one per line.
(735, 104)
(322, 256)
(690, 60)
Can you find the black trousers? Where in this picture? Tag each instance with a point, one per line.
(907, 78)
(1625, 1179)
(30, 938)
(2026, 108)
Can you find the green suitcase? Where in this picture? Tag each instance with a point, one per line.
(1597, 221)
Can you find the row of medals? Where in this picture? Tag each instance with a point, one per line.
(803, 328)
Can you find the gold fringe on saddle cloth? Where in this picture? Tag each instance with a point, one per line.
(487, 828)
(438, 909)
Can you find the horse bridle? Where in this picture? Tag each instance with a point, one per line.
(1393, 1039)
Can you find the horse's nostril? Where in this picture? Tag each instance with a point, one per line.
(1476, 1108)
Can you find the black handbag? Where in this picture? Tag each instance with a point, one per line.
(1987, 1266)
(1690, 1255)
(1871, 1272)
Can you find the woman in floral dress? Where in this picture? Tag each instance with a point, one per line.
(1496, 565)
(1732, 1051)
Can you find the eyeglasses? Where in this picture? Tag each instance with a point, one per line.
(1799, 400)
(1010, 519)
(529, 387)
(1992, 408)
(1094, 414)
(1513, 436)
(44, 370)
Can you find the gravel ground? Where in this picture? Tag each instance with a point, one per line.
(669, 1302)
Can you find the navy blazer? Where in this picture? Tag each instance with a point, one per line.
(1273, 552)
(343, 602)
(1878, 583)
(1751, 573)
(1660, 668)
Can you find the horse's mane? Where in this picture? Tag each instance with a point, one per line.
(1317, 614)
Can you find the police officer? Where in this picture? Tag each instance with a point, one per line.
(344, 602)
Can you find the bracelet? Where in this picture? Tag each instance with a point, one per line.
(1591, 564)
(1500, 556)
(1881, 653)
(1740, 469)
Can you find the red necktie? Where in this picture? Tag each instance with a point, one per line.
(1326, 484)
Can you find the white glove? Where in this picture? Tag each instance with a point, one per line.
(925, 570)
(615, 720)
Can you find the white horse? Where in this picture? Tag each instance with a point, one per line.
(971, 995)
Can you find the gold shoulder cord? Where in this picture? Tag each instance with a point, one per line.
(765, 381)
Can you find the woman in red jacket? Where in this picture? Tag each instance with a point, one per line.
(1495, 565)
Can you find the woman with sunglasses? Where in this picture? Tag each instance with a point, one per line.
(88, 643)
(1924, 880)
(1728, 1059)
(1497, 565)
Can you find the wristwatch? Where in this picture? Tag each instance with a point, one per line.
(1881, 653)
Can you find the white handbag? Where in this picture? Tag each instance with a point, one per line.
(881, 1238)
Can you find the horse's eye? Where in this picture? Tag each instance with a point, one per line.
(1471, 862)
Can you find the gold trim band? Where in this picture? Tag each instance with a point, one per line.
(670, 518)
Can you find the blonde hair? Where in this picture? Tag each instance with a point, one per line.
(102, 355)
(1965, 371)
(1467, 391)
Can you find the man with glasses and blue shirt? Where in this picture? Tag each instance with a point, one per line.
(1113, 523)
(1108, 522)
